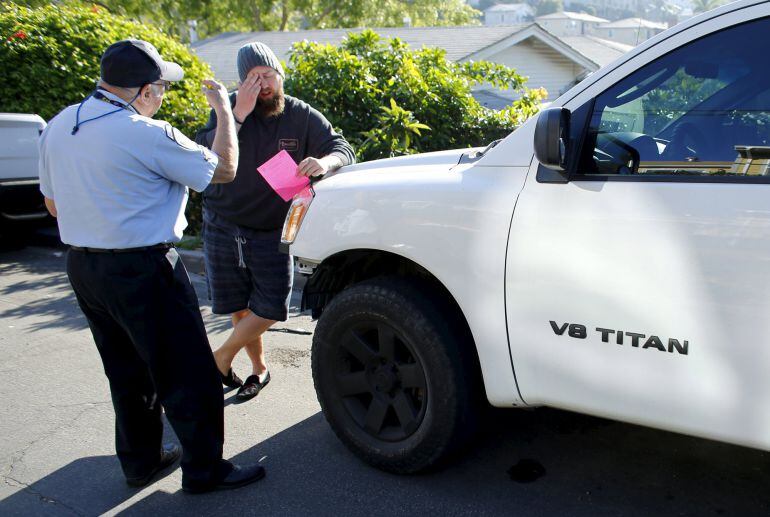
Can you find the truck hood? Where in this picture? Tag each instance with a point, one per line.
(439, 160)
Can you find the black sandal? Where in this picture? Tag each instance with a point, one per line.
(251, 387)
(231, 380)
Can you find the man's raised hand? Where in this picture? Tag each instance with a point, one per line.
(216, 94)
(246, 100)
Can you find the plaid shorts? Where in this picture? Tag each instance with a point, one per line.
(244, 269)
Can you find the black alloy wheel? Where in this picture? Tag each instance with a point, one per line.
(381, 381)
(397, 381)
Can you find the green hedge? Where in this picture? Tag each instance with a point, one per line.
(390, 99)
(50, 58)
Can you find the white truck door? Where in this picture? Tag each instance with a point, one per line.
(640, 289)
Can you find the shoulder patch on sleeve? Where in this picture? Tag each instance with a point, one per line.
(177, 137)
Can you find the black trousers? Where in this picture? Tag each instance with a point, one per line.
(145, 319)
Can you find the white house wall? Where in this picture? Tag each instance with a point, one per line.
(544, 66)
(567, 27)
(629, 36)
(494, 18)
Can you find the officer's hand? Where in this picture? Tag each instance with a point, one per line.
(312, 167)
(216, 94)
(246, 100)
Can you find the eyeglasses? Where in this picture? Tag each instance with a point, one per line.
(165, 84)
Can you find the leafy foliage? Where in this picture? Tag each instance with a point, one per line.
(540, 7)
(397, 127)
(674, 97)
(389, 99)
(543, 7)
(215, 16)
(701, 6)
(51, 56)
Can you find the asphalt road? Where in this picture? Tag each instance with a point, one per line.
(56, 439)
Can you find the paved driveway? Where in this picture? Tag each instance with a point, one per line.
(56, 447)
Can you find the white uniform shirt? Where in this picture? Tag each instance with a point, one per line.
(121, 181)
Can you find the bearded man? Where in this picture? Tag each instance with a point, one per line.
(249, 278)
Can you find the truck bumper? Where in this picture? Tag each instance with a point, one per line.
(21, 200)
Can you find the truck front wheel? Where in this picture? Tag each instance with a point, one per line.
(391, 376)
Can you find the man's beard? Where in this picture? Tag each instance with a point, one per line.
(273, 106)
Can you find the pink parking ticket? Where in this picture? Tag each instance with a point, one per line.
(280, 172)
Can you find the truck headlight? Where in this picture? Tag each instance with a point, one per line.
(297, 211)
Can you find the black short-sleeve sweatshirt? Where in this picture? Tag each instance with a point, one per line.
(248, 200)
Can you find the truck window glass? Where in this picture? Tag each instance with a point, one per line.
(703, 109)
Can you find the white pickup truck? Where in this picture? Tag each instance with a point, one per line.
(21, 202)
(611, 257)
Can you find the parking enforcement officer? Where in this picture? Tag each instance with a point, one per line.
(117, 181)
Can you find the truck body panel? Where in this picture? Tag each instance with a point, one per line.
(465, 213)
(625, 295)
(675, 261)
(661, 260)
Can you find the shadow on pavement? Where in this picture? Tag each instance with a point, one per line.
(588, 466)
(87, 486)
(40, 271)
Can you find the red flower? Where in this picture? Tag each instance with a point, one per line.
(18, 35)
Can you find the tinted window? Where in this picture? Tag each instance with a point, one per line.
(703, 109)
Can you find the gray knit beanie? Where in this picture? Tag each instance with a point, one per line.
(256, 54)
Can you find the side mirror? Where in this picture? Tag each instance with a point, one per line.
(551, 137)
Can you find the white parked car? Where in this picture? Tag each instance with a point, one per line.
(610, 257)
(20, 198)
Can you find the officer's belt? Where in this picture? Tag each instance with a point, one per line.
(161, 246)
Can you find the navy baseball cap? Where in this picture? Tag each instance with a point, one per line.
(131, 63)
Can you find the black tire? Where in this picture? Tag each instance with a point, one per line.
(392, 377)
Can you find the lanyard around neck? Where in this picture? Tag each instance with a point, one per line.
(100, 96)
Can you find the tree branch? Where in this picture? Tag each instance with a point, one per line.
(326, 12)
(284, 15)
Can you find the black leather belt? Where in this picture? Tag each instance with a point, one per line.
(161, 246)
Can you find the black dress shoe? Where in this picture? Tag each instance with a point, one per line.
(231, 380)
(251, 387)
(168, 456)
(238, 476)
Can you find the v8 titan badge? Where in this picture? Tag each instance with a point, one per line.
(620, 337)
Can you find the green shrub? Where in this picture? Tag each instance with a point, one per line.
(50, 58)
(388, 99)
